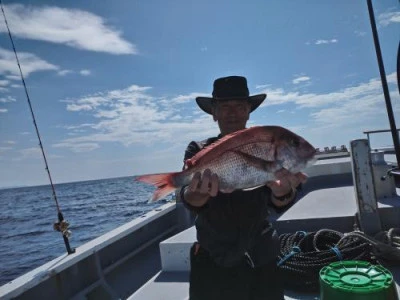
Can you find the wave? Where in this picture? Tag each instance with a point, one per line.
(30, 233)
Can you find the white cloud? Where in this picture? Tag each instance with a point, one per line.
(13, 77)
(73, 27)
(372, 88)
(344, 113)
(29, 153)
(78, 107)
(360, 33)
(390, 17)
(4, 82)
(77, 127)
(86, 103)
(85, 72)
(133, 116)
(5, 149)
(7, 99)
(81, 72)
(64, 72)
(134, 88)
(262, 86)
(320, 42)
(106, 114)
(78, 147)
(301, 79)
(28, 61)
(186, 98)
(3, 110)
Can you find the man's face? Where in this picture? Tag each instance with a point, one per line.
(231, 115)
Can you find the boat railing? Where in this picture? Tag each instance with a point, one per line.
(333, 151)
(370, 132)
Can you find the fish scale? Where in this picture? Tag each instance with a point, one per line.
(234, 172)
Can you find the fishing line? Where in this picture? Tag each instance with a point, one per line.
(62, 225)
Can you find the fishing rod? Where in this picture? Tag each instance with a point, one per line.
(61, 225)
(389, 109)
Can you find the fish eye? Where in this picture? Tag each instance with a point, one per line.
(295, 142)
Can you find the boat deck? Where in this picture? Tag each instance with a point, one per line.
(325, 202)
(175, 285)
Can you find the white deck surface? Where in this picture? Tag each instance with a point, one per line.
(175, 251)
(325, 203)
(164, 286)
(175, 286)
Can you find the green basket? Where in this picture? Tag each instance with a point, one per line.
(356, 280)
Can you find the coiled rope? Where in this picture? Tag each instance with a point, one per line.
(304, 254)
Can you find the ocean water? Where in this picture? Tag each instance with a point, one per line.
(92, 208)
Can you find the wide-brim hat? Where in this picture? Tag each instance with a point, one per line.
(230, 88)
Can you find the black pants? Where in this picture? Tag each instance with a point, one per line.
(210, 281)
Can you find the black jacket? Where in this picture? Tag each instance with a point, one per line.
(234, 226)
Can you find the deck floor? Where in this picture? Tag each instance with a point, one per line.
(175, 285)
(326, 202)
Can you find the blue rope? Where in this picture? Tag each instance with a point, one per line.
(294, 251)
(337, 252)
(304, 233)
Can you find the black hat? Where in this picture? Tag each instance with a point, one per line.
(230, 88)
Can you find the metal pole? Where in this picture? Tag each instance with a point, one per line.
(389, 108)
(364, 187)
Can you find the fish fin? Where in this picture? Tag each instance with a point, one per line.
(259, 163)
(164, 183)
(233, 140)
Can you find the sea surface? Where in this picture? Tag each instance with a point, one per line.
(27, 215)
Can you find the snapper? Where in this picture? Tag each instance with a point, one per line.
(243, 160)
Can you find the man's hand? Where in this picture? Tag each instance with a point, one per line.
(285, 183)
(201, 188)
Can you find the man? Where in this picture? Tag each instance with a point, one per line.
(235, 256)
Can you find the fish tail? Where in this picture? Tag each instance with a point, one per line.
(164, 182)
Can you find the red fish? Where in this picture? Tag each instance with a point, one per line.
(242, 160)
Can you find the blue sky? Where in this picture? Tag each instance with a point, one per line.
(112, 83)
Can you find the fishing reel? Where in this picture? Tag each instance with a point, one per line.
(62, 227)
